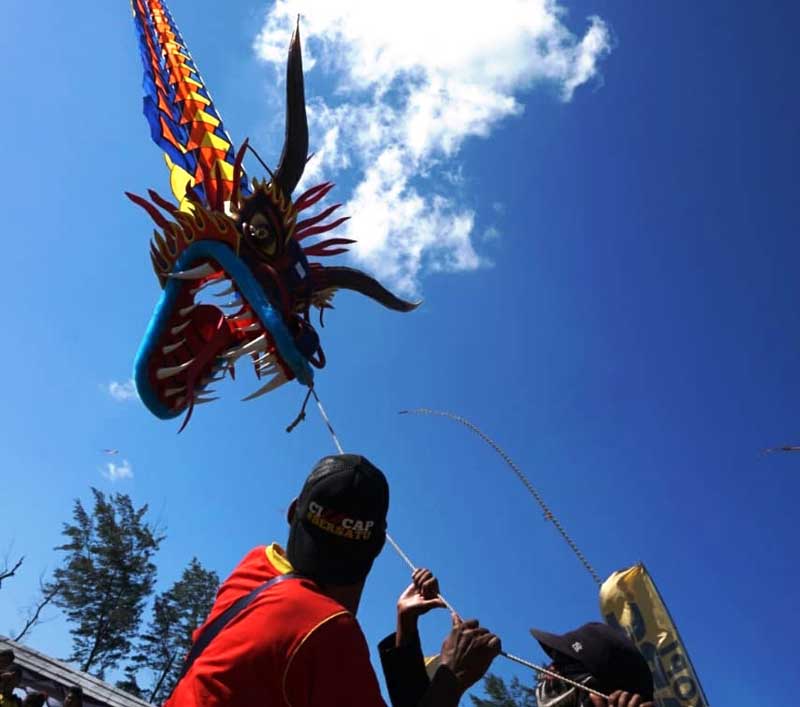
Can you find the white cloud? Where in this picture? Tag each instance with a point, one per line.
(118, 472)
(122, 392)
(412, 81)
(595, 43)
(491, 234)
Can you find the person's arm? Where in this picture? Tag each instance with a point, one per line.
(467, 653)
(403, 669)
(331, 668)
(401, 652)
(419, 598)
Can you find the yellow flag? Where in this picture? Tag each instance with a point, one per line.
(629, 599)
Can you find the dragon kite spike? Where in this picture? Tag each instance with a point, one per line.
(230, 255)
(238, 174)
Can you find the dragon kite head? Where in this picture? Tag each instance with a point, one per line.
(230, 255)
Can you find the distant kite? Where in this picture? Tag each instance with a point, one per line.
(246, 239)
(782, 449)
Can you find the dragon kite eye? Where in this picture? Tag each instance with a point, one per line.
(259, 227)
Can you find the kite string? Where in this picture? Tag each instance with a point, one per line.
(548, 514)
(413, 568)
(327, 421)
(403, 556)
(509, 656)
(391, 540)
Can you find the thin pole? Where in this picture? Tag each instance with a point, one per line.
(548, 514)
(545, 671)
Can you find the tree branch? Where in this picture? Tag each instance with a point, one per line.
(6, 573)
(161, 679)
(101, 629)
(47, 597)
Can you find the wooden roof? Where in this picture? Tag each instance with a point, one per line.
(41, 672)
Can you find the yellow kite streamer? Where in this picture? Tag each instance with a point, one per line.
(629, 599)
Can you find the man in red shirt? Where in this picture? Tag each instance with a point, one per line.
(283, 631)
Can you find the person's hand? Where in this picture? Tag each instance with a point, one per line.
(421, 595)
(419, 598)
(620, 699)
(469, 651)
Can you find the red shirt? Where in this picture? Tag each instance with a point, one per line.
(291, 646)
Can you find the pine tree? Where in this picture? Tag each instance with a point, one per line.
(168, 639)
(130, 685)
(105, 579)
(498, 694)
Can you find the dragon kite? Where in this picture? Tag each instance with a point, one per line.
(236, 239)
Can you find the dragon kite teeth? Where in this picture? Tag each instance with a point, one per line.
(245, 236)
(277, 381)
(197, 273)
(163, 373)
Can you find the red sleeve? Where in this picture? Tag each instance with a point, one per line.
(331, 667)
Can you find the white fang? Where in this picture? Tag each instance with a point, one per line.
(163, 373)
(169, 349)
(277, 381)
(251, 347)
(203, 270)
(178, 329)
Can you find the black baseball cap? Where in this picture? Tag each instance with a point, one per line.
(605, 652)
(339, 524)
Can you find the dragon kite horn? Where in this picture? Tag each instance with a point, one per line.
(343, 278)
(295, 144)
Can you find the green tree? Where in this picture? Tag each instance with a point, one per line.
(168, 639)
(105, 579)
(498, 694)
(130, 685)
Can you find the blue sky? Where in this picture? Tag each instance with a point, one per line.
(627, 329)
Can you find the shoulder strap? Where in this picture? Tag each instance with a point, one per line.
(209, 633)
